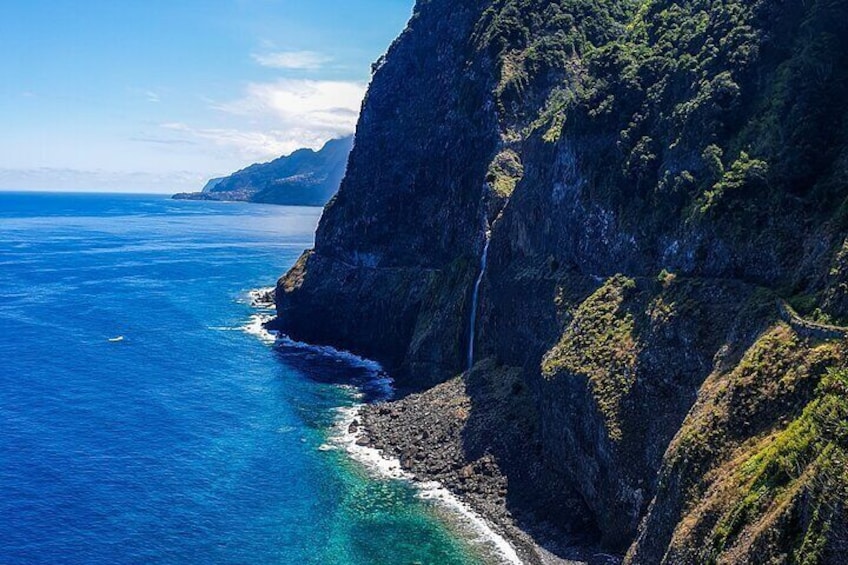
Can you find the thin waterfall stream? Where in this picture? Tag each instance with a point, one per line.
(484, 259)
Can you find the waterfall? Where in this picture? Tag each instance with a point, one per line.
(484, 258)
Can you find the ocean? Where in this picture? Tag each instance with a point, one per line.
(144, 419)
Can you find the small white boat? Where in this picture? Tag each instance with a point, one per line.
(116, 339)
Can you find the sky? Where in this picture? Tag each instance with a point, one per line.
(161, 95)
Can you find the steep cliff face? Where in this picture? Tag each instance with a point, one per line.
(390, 272)
(657, 178)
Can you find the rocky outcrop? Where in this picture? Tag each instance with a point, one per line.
(304, 178)
(652, 175)
(476, 435)
(425, 137)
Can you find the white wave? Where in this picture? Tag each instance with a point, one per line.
(328, 351)
(256, 327)
(379, 379)
(262, 297)
(376, 462)
(434, 490)
(373, 459)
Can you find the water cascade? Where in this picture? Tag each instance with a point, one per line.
(484, 258)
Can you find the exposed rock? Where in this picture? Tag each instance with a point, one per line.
(665, 185)
(468, 434)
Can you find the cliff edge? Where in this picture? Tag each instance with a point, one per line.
(619, 198)
(303, 178)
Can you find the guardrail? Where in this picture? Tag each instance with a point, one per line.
(807, 328)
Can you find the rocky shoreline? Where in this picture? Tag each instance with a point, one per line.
(262, 298)
(434, 437)
(641, 181)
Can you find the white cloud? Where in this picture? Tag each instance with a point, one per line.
(295, 60)
(281, 117)
(152, 97)
(249, 145)
(312, 104)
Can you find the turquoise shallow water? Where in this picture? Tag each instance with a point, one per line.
(190, 441)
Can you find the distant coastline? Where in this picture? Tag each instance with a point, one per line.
(304, 178)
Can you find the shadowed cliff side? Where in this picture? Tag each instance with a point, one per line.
(659, 179)
(677, 188)
(405, 225)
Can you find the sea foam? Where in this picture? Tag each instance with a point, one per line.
(382, 466)
(373, 460)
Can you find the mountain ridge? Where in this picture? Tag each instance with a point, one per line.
(303, 178)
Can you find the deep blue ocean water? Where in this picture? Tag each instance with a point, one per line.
(190, 441)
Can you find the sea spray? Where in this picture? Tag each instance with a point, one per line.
(262, 298)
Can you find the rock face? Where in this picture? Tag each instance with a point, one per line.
(392, 266)
(658, 178)
(477, 435)
(304, 178)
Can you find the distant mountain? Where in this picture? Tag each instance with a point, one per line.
(212, 183)
(304, 178)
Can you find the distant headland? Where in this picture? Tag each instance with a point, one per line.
(304, 178)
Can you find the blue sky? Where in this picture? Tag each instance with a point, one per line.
(158, 95)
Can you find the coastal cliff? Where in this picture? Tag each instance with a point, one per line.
(661, 189)
(303, 178)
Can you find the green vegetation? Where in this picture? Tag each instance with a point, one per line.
(666, 278)
(726, 115)
(770, 447)
(538, 44)
(806, 463)
(673, 86)
(746, 177)
(599, 344)
(505, 172)
(710, 110)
